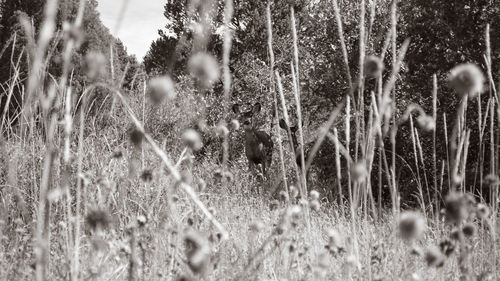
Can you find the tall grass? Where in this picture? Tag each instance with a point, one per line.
(194, 218)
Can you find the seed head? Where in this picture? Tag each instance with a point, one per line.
(205, 68)
(141, 220)
(284, 196)
(335, 241)
(256, 226)
(491, 180)
(314, 195)
(455, 234)
(229, 176)
(456, 207)
(294, 213)
(411, 225)
(136, 137)
(469, 229)
(235, 125)
(74, 33)
(98, 219)
(95, 66)
(373, 66)
(99, 245)
(117, 154)
(212, 211)
(426, 122)
(303, 203)
(274, 205)
(433, 257)
(482, 211)
(161, 88)
(416, 251)
(222, 131)
(294, 191)
(359, 172)
(324, 261)
(147, 175)
(447, 247)
(192, 139)
(197, 251)
(315, 206)
(202, 185)
(467, 79)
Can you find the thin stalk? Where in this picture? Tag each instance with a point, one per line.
(296, 87)
(419, 180)
(273, 90)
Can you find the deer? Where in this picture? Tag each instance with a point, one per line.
(258, 144)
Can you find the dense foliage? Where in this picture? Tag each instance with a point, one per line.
(442, 33)
(15, 35)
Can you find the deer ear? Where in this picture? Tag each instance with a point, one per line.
(236, 108)
(283, 124)
(256, 108)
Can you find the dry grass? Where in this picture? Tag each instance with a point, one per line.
(87, 203)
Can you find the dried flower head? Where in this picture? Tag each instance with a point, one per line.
(283, 196)
(72, 32)
(411, 225)
(117, 154)
(187, 177)
(373, 66)
(467, 79)
(205, 68)
(359, 172)
(335, 241)
(228, 176)
(482, 211)
(314, 195)
(294, 213)
(274, 205)
(294, 192)
(212, 211)
(99, 244)
(221, 131)
(192, 139)
(202, 185)
(447, 247)
(160, 88)
(197, 251)
(256, 226)
(324, 261)
(218, 173)
(433, 257)
(95, 66)
(455, 234)
(235, 125)
(314, 205)
(136, 137)
(456, 207)
(491, 180)
(98, 219)
(303, 203)
(426, 122)
(416, 251)
(147, 175)
(469, 229)
(141, 220)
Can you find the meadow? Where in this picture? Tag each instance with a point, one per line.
(126, 186)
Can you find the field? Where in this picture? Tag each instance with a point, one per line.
(133, 185)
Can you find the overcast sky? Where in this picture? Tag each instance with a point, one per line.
(140, 23)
